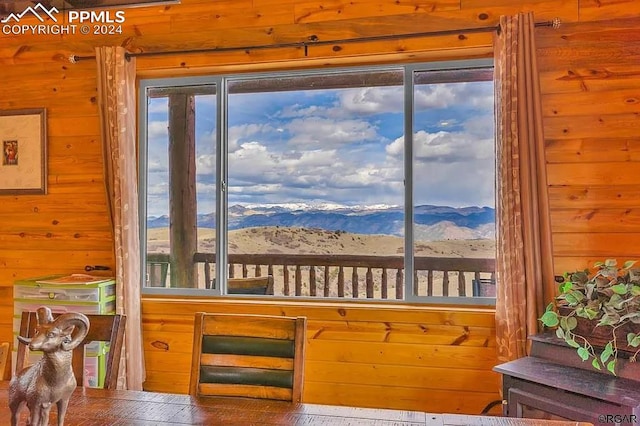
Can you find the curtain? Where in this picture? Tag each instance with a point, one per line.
(524, 257)
(117, 104)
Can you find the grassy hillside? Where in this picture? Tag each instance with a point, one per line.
(283, 240)
(316, 241)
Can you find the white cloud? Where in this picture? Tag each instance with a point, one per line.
(455, 184)
(158, 129)
(239, 134)
(206, 164)
(438, 96)
(367, 101)
(324, 132)
(451, 168)
(371, 100)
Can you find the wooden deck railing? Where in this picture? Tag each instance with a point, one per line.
(351, 276)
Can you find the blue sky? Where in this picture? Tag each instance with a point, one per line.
(339, 146)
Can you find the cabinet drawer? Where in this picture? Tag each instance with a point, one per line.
(20, 306)
(90, 294)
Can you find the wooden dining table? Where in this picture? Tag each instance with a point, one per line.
(98, 407)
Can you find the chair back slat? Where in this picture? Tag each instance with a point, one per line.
(254, 356)
(5, 353)
(251, 285)
(246, 376)
(253, 346)
(232, 360)
(250, 326)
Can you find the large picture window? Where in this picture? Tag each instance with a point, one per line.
(372, 183)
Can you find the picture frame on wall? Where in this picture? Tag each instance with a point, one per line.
(23, 161)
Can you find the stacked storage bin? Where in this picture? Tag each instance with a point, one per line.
(97, 296)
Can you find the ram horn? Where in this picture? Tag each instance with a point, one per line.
(81, 324)
(44, 315)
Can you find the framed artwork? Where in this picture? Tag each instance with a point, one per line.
(23, 140)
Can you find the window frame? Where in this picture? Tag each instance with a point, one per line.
(221, 202)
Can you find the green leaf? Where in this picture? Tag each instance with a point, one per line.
(571, 342)
(633, 340)
(578, 295)
(595, 364)
(571, 299)
(560, 333)
(566, 287)
(572, 323)
(610, 262)
(550, 319)
(598, 264)
(628, 264)
(635, 290)
(611, 366)
(606, 354)
(619, 288)
(590, 313)
(583, 353)
(605, 320)
(550, 306)
(629, 316)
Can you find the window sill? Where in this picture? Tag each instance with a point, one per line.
(317, 303)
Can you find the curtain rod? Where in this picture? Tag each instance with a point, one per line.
(314, 41)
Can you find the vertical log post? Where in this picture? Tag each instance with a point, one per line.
(327, 281)
(369, 283)
(340, 281)
(312, 280)
(384, 286)
(183, 237)
(462, 284)
(399, 284)
(285, 274)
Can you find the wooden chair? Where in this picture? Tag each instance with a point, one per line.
(5, 353)
(253, 285)
(103, 328)
(255, 356)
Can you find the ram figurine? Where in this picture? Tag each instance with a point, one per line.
(50, 380)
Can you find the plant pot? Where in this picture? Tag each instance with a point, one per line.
(599, 336)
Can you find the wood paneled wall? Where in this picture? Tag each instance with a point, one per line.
(409, 357)
(590, 82)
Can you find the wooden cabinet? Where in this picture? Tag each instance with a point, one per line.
(553, 383)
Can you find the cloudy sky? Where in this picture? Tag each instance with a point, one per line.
(339, 146)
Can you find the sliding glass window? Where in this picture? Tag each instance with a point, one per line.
(304, 184)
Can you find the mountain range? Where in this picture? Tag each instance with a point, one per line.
(432, 222)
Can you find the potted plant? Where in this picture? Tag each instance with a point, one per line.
(599, 309)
